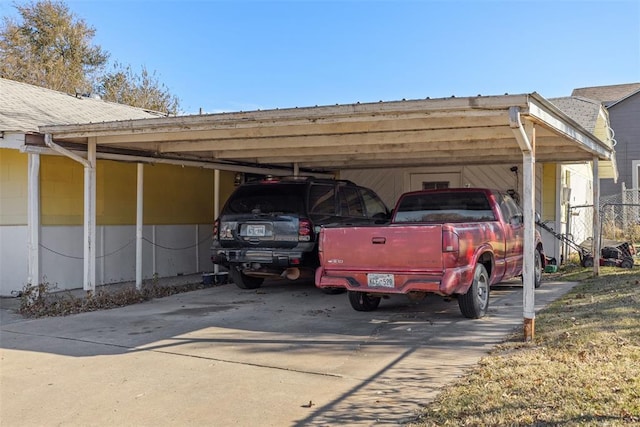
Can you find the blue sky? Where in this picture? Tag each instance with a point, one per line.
(247, 55)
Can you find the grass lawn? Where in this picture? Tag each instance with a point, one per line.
(582, 368)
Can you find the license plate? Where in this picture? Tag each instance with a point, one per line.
(375, 280)
(255, 230)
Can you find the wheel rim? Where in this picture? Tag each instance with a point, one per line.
(483, 291)
(538, 267)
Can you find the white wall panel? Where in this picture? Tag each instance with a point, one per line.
(13, 258)
(180, 249)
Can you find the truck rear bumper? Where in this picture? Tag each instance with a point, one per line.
(453, 281)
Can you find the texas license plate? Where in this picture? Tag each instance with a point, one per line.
(255, 230)
(375, 280)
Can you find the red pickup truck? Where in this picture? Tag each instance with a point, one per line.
(451, 242)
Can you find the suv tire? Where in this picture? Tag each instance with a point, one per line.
(243, 281)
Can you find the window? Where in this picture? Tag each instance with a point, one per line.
(445, 207)
(434, 185)
(266, 199)
(374, 206)
(350, 202)
(322, 199)
(509, 208)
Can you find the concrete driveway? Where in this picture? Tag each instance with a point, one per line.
(284, 355)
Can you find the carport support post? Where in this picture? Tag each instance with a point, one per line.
(139, 223)
(216, 205)
(90, 217)
(527, 144)
(33, 219)
(528, 275)
(596, 218)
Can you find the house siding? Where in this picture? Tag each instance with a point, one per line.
(178, 217)
(625, 121)
(13, 187)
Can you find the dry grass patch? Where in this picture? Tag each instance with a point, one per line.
(582, 368)
(42, 300)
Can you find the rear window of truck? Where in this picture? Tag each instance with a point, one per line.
(445, 207)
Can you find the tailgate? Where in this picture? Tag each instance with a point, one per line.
(382, 248)
(269, 231)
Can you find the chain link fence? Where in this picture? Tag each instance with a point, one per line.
(619, 218)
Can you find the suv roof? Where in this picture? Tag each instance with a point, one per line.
(301, 179)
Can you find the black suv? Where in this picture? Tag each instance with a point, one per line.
(269, 228)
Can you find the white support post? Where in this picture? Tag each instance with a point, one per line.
(527, 146)
(528, 273)
(103, 251)
(596, 218)
(89, 284)
(216, 205)
(154, 255)
(33, 219)
(139, 223)
(296, 169)
(197, 247)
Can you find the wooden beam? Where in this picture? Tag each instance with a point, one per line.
(368, 138)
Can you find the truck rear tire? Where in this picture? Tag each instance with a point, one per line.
(243, 281)
(361, 301)
(475, 302)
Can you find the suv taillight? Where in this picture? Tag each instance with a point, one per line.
(304, 230)
(216, 229)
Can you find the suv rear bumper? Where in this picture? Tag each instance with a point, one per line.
(267, 258)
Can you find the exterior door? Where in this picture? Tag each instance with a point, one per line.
(429, 181)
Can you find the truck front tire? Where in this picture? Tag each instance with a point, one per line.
(361, 301)
(475, 302)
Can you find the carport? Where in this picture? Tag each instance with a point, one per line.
(323, 140)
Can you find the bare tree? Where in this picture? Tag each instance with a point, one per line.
(49, 47)
(142, 90)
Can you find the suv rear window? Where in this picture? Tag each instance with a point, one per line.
(268, 199)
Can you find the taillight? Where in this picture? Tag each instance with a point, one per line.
(304, 230)
(450, 241)
(216, 229)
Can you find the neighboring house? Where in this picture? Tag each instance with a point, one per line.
(178, 201)
(623, 105)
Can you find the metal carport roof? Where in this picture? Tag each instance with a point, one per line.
(428, 132)
(450, 131)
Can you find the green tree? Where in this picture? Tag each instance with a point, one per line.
(142, 90)
(49, 47)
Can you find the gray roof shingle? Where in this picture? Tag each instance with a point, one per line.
(24, 107)
(607, 94)
(584, 111)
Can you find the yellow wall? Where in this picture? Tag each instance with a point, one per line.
(548, 191)
(61, 191)
(177, 195)
(13, 187)
(172, 194)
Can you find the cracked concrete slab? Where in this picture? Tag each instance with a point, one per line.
(286, 354)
